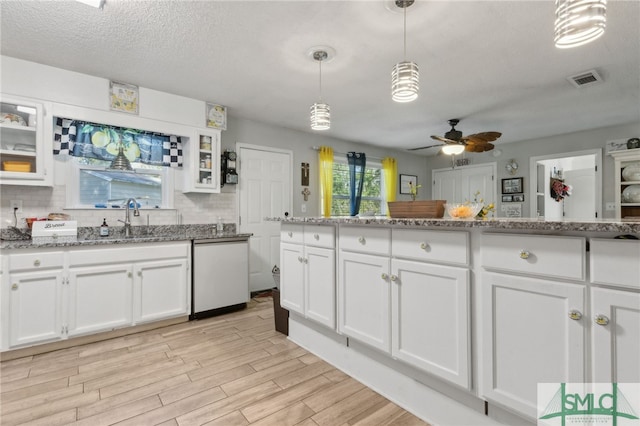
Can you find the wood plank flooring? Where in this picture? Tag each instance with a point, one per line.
(233, 369)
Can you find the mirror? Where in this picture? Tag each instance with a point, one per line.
(567, 186)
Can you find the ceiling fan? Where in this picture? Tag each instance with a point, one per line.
(478, 142)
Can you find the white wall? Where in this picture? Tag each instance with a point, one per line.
(28, 79)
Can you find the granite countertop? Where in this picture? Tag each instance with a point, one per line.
(604, 225)
(90, 236)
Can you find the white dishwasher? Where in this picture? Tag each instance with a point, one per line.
(220, 276)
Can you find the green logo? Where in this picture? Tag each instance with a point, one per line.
(589, 407)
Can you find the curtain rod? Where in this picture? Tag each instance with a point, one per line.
(317, 148)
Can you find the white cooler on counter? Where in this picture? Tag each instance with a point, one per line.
(54, 231)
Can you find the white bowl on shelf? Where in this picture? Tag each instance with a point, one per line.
(631, 172)
(631, 194)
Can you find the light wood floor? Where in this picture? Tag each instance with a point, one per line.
(229, 370)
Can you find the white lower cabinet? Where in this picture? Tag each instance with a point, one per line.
(160, 290)
(615, 344)
(307, 278)
(35, 307)
(533, 332)
(430, 318)
(365, 299)
(50, 295)
(99, 298)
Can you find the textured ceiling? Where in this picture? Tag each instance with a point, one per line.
(490, 63)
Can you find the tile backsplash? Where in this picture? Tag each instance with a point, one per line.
(190, 208)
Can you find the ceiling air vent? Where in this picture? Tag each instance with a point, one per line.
(586, 78)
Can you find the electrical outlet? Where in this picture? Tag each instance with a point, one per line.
(16, 204)
(610, 206)
(303, 208)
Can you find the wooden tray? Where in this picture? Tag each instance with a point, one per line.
(418, 209)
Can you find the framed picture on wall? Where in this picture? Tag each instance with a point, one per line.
(512, 185)
(216, 116)
(123, 97)
(404, 183)
(507, 198)
(518, 198)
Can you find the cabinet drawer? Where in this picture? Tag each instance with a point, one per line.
(552, 256)
(320, 236)
(291, 233)
(40, 260)
(435, 246)
(615, 262)
(133, 253)
(365, 239)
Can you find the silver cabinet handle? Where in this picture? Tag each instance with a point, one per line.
(139, 273)
(129, 274)
(14, 286)
(36, 262)
(424, 246)
(394, 278)
(305, 260)
(524, 254)
(384, 276)
(300, 259)
(575, 315)
(316, 237)
(290, 234)
(361, 240)
(601, 319)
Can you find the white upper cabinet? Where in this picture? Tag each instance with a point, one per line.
(26, 134)
(202, 162)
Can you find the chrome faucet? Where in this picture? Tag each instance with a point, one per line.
(127, 217)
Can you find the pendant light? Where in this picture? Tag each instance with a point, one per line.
(579, 22)
(320, 112)
(121, 162)
(405, 76)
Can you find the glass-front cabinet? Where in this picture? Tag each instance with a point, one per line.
(202, 162)
(627, 194)
(25, 153)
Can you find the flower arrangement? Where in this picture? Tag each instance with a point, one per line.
(413, 190)
(486, 209)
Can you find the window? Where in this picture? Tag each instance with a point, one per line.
(92, 185)
(372, 202)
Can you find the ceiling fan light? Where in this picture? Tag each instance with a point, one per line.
(453, 149)
(320, 116)
(579, 22)
(405, 82)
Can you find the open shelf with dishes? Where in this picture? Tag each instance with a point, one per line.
(627, 184)
(202, 162)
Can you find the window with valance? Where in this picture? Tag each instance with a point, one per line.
(100, 141)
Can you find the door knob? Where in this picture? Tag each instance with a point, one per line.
(423, 246)
(14, 286)
(575, 315)
(601, 319)
(524, 254)
(384, 276)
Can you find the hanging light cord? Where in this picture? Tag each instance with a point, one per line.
(405, 30)
(320, 78)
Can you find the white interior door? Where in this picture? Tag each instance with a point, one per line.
(580, 204)
(461, 184)
(264, 190)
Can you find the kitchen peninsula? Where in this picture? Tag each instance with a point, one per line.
(459, 320)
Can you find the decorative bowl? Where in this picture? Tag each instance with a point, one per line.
(631, 194)
(631, 172)
(463, 210)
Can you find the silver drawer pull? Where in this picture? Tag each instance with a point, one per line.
(14, 286)
(524, 254)
(361, 240)
(36, 262)
(305, 260)
(424, 246)
(601, 320)
(316, 237)
(394, 278)
(290, 234)
(384, 276)
(129, 275)
(575, 315)
(300, 259)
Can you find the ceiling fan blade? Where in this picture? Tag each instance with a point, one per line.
(445, 140)
(482, 147)
(483, 137)
(423, 147)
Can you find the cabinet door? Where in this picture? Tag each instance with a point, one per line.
(430, 318)
(528, 337)
(292, 277)
(616, 336)
(35, 307)
(320, 290)
(364, 301)
(100, 298)
(160, 290)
